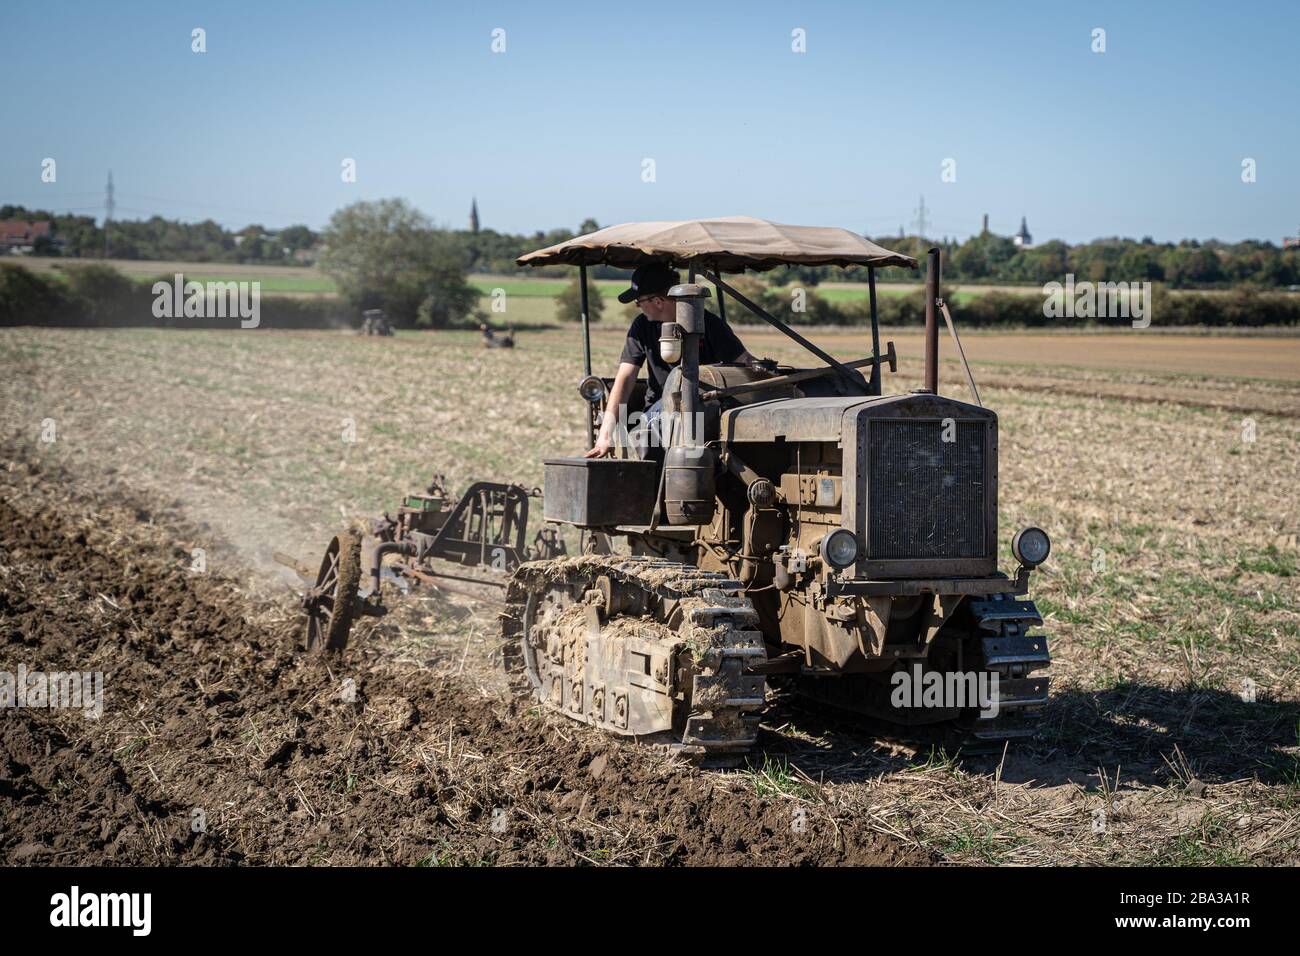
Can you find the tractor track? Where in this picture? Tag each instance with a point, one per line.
(721, 724)
(219, 746)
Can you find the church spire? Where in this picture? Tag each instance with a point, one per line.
(1023, 239)
(473, 215)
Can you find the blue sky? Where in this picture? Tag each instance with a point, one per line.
(1145, 139)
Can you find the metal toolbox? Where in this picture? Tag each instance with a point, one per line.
(600, 492)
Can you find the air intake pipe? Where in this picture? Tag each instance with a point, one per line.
(932, 322)
(689, 465)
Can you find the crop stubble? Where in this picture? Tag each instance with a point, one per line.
(1171, 581)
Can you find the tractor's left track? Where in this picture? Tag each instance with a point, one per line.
(641, 647)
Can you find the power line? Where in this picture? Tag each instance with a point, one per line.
(43, 197)
(67, 209)
(219, 206)
(52, 202)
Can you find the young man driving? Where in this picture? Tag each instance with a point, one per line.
(650, 285)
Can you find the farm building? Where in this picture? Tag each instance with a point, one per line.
(18, 236)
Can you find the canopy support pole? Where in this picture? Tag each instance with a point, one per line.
(875, 331)
(722, 297)
(586, 354)
(843, 370)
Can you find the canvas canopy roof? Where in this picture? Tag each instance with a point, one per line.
(731, 244)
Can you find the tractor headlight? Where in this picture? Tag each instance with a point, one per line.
(840, 548)
(1031, 546)
(670, 343)
(592, 389)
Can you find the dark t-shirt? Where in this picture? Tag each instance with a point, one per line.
(719, 344)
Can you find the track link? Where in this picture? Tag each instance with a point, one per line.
(639, 646)
(1013, 654)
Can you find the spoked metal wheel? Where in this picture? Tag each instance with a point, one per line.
(331, 604)
(540, 612)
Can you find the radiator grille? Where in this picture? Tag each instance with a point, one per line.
(925, 496)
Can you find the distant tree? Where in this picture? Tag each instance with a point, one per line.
(297, 237)
(1044, 263)
(1191, 264)
(588, 225)
(45, 246)
(449, 298)
(980, 257)
(799, 275)
(386, 254)
(1096, 261)
(568, 304)
(1138, 263)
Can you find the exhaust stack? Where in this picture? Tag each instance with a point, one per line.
(932, 322)
(689, 465)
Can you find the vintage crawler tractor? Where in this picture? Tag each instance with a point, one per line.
(790, 521)
(375, 322)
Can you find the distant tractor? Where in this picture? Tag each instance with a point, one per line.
(493, 341)
(795, 524)
(375, 322)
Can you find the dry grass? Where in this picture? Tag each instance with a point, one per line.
(1172, 581)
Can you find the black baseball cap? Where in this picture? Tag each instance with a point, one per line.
(653, 278)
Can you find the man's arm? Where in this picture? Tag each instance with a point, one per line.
(624, 382)
(727, 346)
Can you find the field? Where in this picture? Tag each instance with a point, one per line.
(275, 280)
(1164, 467)
(520, 301)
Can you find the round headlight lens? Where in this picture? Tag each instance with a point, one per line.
(840, 548)
(670, 344)
(1031, 546)
(592, 389)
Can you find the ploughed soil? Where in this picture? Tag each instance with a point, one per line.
(218, 744)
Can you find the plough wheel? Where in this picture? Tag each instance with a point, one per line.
(331, 604)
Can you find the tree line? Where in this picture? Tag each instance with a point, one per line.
(162, 239)
(386, 254)
(993, 259)
(983, 258)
